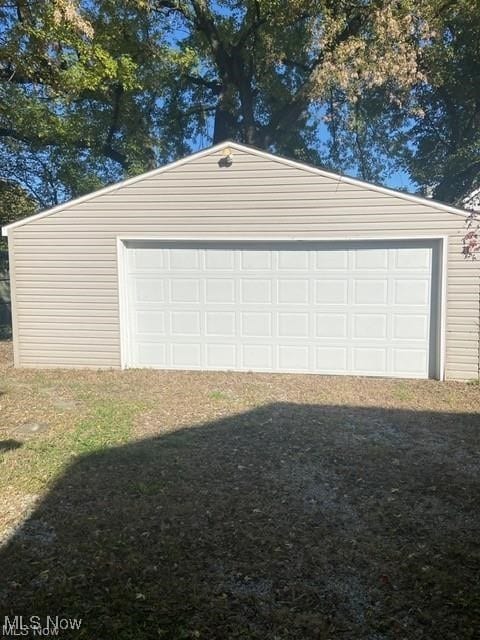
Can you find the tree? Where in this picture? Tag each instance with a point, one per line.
(442, 148)
(77, 107)
(271, 72)
(471, 240)
(14, 202)
(96, 90)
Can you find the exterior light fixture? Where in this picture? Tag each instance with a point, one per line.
(227, 159)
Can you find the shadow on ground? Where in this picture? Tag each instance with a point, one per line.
(287, 522)
(9, 445)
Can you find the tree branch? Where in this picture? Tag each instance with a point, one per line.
(107, 148)
(114, 126)
(8, 73)
(202, 108)
(213, 85)
(205, 23)
(296, 108)
(7, 132)
(253, 22)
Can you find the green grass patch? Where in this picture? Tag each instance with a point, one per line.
(402, 392)
(218, 395)
(109, 425)
(149, 488)
(38, 462)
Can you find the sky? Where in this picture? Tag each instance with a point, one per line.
(398, 179)
(401, 180)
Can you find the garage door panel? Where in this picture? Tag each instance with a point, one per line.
(185, 323)
(186, 355)
(412, 259)
(370, 360)
(220, 290)
(219, 260)
(370, 326)
(151, 354)
(329, 291)
(255, 260)
(257, 357)
(150, 322)
(331, 260)
(411, 292)
(293, 357)
(371, 260)
(149, 290)
(183, 290)
(294, 260)
(293, 325)
(331, 325)
(220, 323)
(335, 308)
(293, 291)
(370, 292)
(183, 259)
(256, 324)
(410, 327)
(221, 356)
(331, 359)
(410, 362)
(148, 259)
(256, 291)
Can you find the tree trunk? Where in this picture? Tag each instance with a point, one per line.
(225, 125)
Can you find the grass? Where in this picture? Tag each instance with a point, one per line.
(40, 460)
(223, 506)
(402, 392)
(218, 395)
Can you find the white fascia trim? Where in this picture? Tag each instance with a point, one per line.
(114, 187)
(246, 149)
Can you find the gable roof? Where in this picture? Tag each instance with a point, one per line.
(433, 204)
(472, 201)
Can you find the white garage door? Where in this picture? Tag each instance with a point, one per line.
(338, 308)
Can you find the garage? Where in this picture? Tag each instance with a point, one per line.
(236, 259)
(365, 308)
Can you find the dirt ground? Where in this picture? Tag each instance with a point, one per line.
(174, 505)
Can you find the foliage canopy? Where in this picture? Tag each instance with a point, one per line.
(95, 90)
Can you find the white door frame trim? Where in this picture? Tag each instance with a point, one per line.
(122, 275)
(123, 301)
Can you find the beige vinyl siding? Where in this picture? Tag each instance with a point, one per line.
(65, 264)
